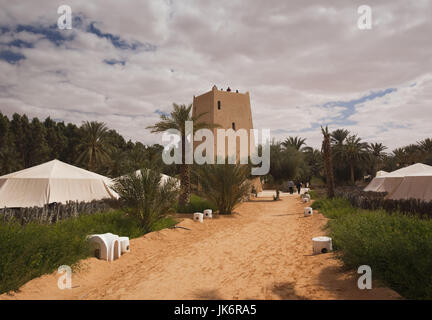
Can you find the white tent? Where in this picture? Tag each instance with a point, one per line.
(381, 173)
(53, 181)
(415, 186)
(163, 179)
(390, 181)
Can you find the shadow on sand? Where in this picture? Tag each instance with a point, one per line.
(286, 291)
(211, 294)
(345, 287)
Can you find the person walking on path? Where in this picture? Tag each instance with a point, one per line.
(299, 185)
(291, 187)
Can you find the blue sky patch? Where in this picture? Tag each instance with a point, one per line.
(349, 106)
(118, 42)
(50, 33)
(161, 113)
(115, 61)
(11, 57)
(20, 44)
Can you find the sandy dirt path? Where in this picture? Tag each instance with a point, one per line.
(262, 252)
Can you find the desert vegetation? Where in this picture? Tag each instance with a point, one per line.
(396, 246)
(34, 249)
(365, 227)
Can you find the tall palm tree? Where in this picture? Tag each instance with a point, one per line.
(295, 142)
(93, 147)
(354, 151)
(176, 120)
(326, 149)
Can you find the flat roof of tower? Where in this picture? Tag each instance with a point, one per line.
(214, 88)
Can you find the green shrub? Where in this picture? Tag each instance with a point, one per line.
(34, 249)
(196, 204)
(146, 197)
(333, 208)
(164, 223)
(225, 185)
(397, 247)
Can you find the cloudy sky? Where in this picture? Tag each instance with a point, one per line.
(305, 63)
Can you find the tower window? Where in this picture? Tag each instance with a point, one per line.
(219, 105)
(233, 125)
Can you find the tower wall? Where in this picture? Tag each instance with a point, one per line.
(234, 109)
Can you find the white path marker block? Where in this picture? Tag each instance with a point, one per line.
(124, 244)
(308, 211)
(305, 199)
(105, 246)
(322, 245)
(198, 216)
(208, 213)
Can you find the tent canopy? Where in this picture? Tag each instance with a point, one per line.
(381, 173)
(414, 186)
(390, 181)
(53, 181)
(164, 178)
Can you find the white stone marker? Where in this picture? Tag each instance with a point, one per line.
(321, 245)
(308, 211)
(124, 244)
(208, 213)
(198, 216)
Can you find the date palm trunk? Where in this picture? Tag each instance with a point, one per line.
(185, 186)
(328, 161)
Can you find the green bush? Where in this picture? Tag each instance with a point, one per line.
(145, 196)
(196, 204)
(226, 185)
(34, 249)
(397, 247)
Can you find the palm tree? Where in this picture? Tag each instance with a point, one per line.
(378, 154)
(225, 185)
(400, 157)
(353, 151)
(176, 120)
(377, 150)
(93, 147)
(145, 201)
(338, 136)
(425, 146)
(414, 153)
(326, 149)
(295, 142)
(314, 160)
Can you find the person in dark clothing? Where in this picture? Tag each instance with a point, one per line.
(299, 185)
(291, 187)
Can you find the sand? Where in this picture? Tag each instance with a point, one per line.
(262, 252)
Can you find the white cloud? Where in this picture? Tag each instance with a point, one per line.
(291, 56)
